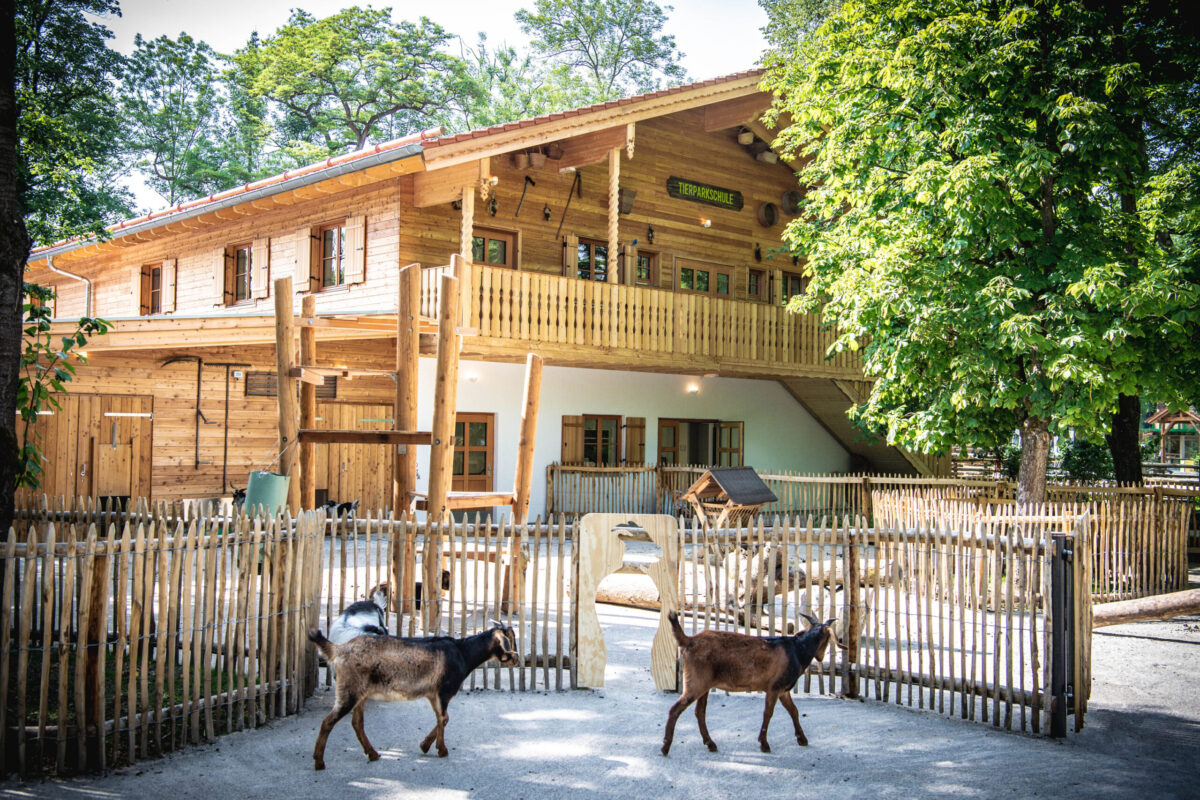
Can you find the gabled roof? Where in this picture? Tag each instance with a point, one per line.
(739, 486)
(1163, 415)
(436, 150)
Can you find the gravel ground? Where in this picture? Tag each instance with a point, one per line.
(1142, 739)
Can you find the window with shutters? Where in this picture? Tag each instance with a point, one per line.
(330, 269)
(239, 263)
(603, 440)
(494, 248)
(592, 260)
(152, 289)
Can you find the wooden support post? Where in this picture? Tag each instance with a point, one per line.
(285, 360)
(529, 418)
(467, 232)
(308, 406)
(614, 213)
(408, 345)
(441, 453)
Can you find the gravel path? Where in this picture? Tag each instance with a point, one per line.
(1142, 739)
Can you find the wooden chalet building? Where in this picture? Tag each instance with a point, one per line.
(633, 244)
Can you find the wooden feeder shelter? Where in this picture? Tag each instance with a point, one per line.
(728, 495)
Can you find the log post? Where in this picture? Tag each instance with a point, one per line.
(1142, 609)
(525, 444)
(404, 480)
(441, 453)
(285, 360)
(614, 213)
(308, 406)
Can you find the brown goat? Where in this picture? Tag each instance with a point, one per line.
(394, 668)
(735, 662)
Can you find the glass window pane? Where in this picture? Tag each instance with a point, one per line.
(589, 424)
(156, 279)
(477, 462)
(458, 434)
(722, 283)
(752, 285)
(477, 248)
(701, 280)
(478, 437)
(735, 436)
(497, 251)
(685, 278)
(668, 436)
(600, 271)
(589, 454)
(328, 244)
(585, 261)
(458, 462)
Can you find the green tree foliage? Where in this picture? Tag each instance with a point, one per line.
(1086, 462)
(69, 154)
(512, 85)
(175, 118)
(966, 232)
(603, 49)
(46, 368)
(334, 82)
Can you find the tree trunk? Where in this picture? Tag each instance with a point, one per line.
(1123, 441)
(14, 251)
(1035, 458)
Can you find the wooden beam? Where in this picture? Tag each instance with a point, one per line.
(444, 185)
(457, 501)
(404, 417)
(306, 376)
(739, 111)
(285, 360)
(445, 398)
(630, 130)
(1163, 606)
(352, 436)
(529, 418)
(314, 321)
(308, 407)
(614, 213)
(592, 148)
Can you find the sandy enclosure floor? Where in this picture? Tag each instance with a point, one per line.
(1142, 739)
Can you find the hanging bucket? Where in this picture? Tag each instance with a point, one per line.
(266, 489)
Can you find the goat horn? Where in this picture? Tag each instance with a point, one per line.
(811, 620)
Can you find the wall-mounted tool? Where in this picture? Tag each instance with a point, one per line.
(578, 182)
(528, 182)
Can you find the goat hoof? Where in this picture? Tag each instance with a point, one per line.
(319, 765)
(712, 747)
(443, 753)
(372, 756)
(666, 748)
(425, 746)
(800, 740)
(766, 748)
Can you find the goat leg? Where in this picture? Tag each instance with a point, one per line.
(673, 716)
(767, 712)
(435, 703)
(702, 721)
(786, 699)
(357, 722)
(340, 710)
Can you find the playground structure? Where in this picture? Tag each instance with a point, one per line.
(453, 304)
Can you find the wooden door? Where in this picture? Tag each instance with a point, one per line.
(729, 444)
(668, 441)
(473, 452)
(349, 472)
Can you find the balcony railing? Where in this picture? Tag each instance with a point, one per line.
(667, 327)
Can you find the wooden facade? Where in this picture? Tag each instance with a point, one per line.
(420, 203)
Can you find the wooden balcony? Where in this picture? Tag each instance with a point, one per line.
(585, 323)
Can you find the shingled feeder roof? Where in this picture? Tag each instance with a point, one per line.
(741, 485)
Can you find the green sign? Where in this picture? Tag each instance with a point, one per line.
(703, 193)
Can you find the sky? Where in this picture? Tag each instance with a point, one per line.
(717, 37)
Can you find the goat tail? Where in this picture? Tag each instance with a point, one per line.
(326, 647)
(680, 637)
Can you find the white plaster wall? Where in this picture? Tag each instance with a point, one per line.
(780, 434)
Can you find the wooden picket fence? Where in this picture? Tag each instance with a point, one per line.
(498, 572)
(124, 635)
(936, 612)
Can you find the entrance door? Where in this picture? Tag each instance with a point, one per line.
(473, 452)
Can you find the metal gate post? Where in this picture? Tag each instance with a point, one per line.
(1061, 645)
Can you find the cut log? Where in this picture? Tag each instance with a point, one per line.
(1163, 606)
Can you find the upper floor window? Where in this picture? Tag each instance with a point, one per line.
(238, 276)
(697, 276)
(793, 284)
(494, 248)
(331, 270)
(756, 284)
(153, 287)
(645, 270)
(592, 260)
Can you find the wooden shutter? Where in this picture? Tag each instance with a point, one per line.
(167, 285)
(302, 280)
(635, 440)
(570, 258)
(138, 300)
(356, 249)
(260, 268)
(221, 290)
(572, 440)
